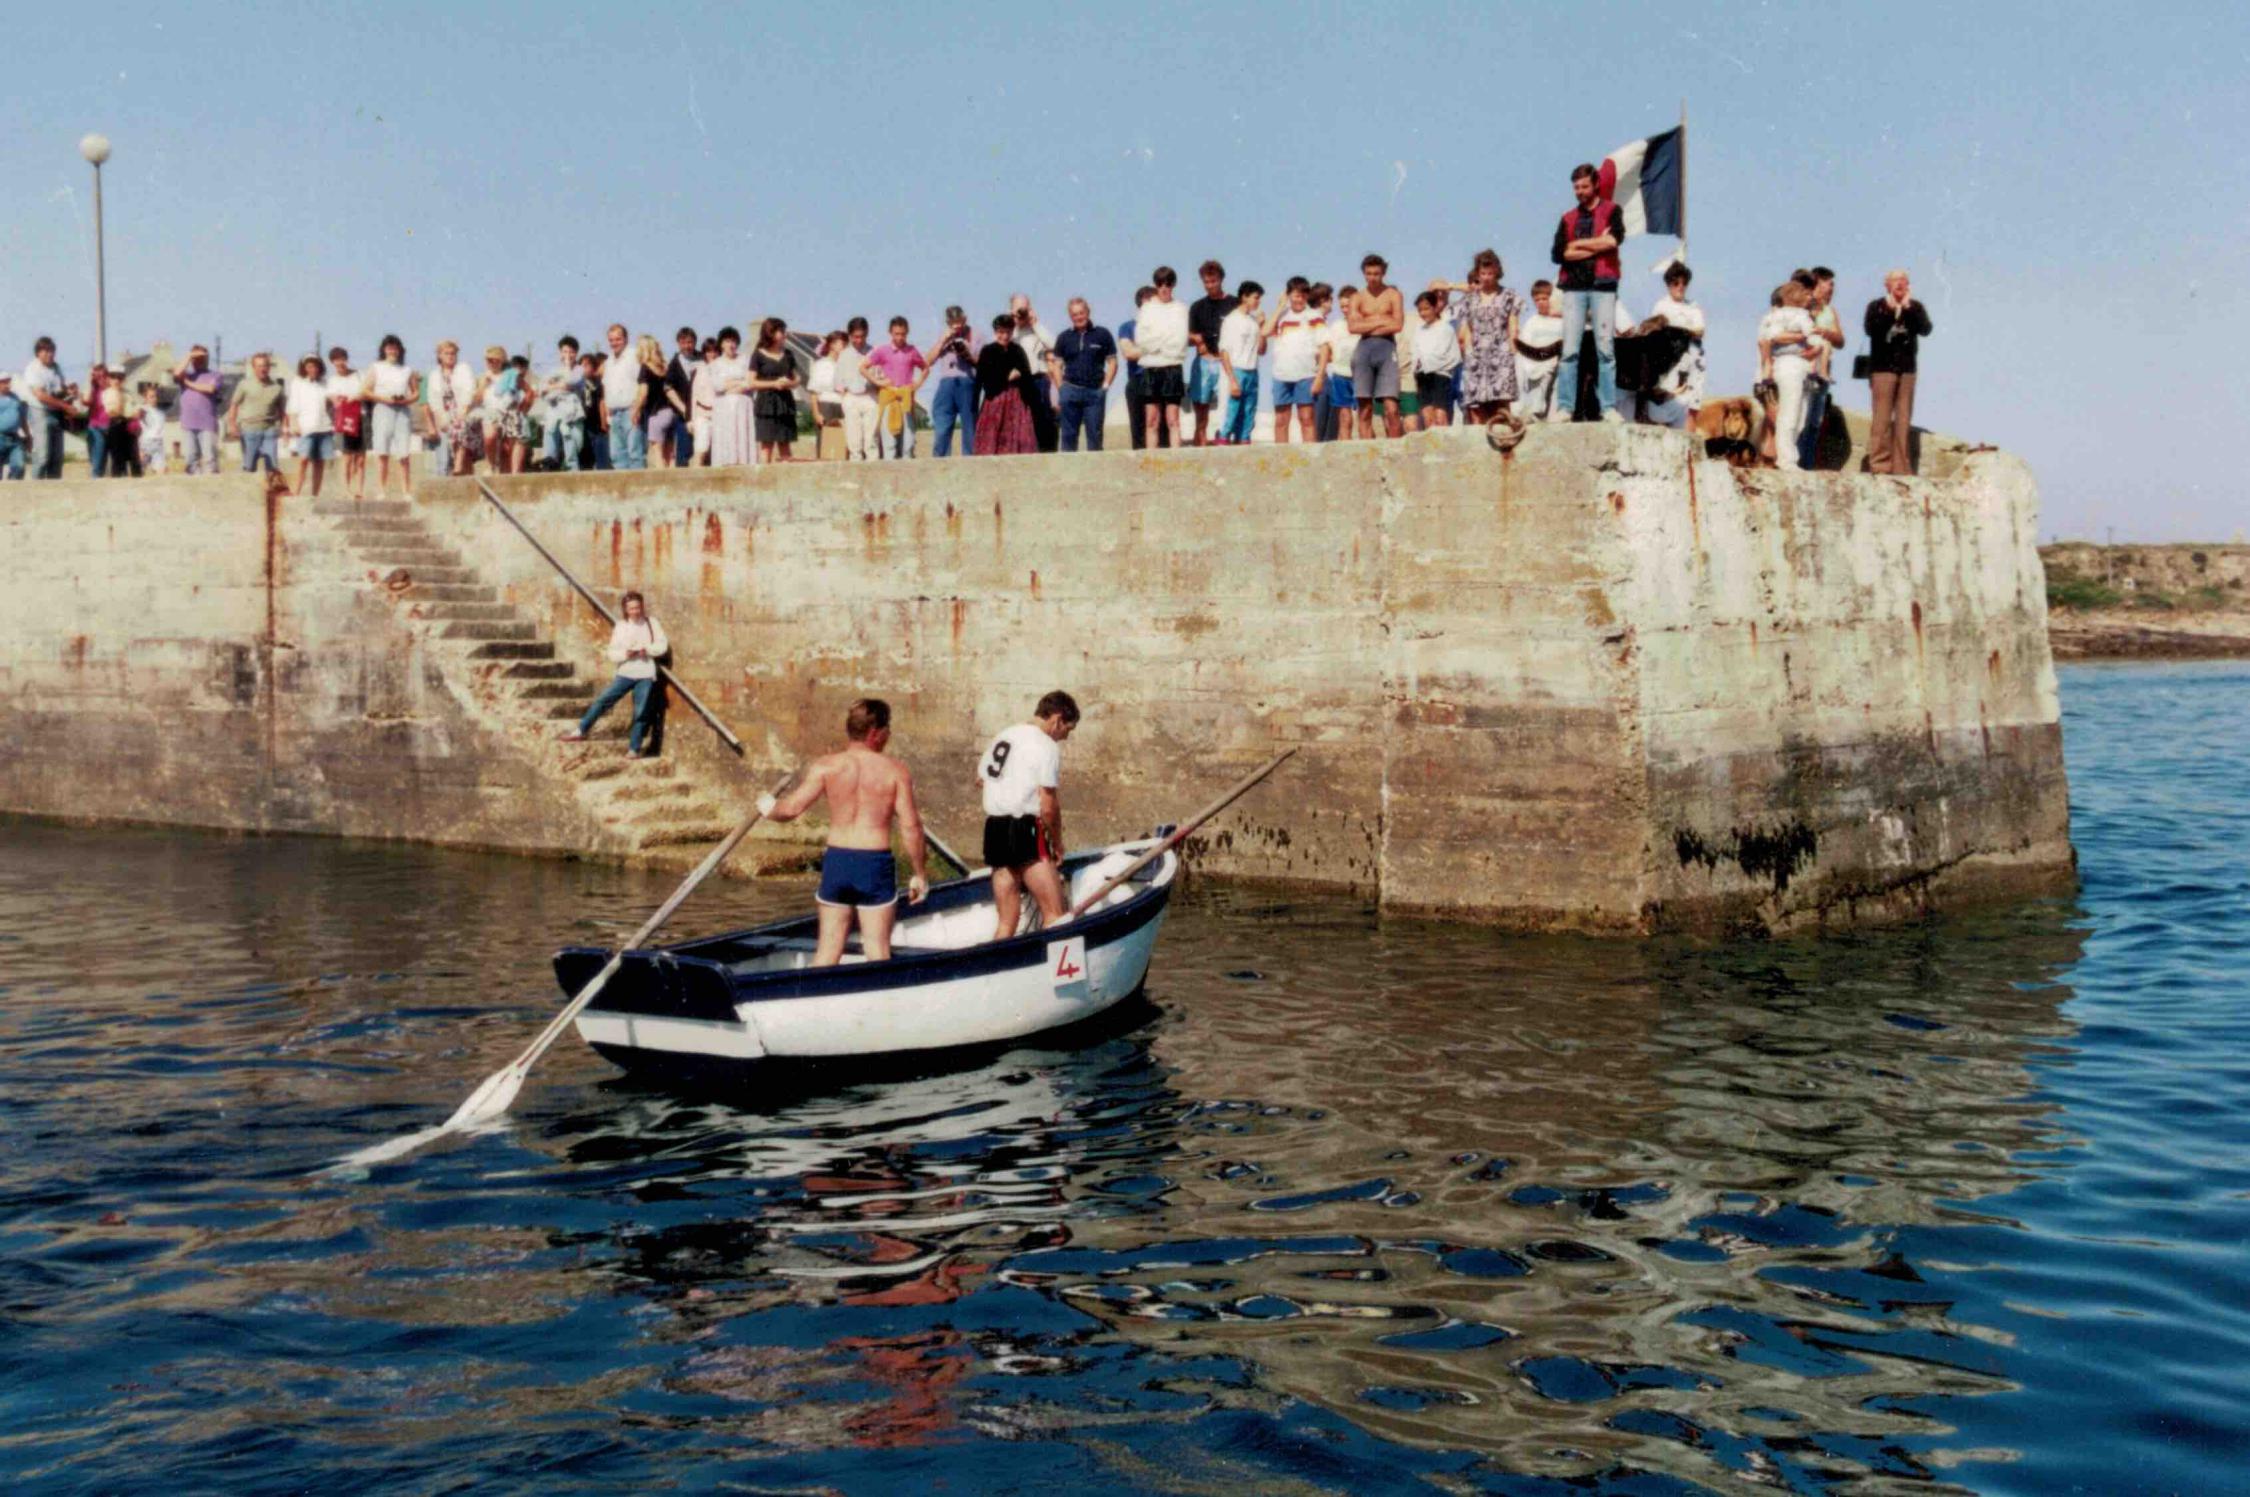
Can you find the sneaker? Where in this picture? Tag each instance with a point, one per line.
(1614, 416)
(574, 736)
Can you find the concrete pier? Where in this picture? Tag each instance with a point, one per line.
(1601, 684)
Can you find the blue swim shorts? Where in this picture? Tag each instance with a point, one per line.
(1289, 392)
(858, 878)
(1203, 381)
(1340, 390)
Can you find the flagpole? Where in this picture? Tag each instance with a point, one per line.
(1683, 180)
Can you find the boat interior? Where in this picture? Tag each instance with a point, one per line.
(955, 917)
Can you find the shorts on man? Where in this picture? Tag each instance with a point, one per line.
(1289, 392)
(1375, 369)
(858, 878)
(1435, 391)
(1166, 386)
(1014, 842)
(317, 446)
(1340, 390)
(1203, 384)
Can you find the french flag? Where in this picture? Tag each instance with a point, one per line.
(1645, 180)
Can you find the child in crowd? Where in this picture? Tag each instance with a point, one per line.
(1241, 339)
(1293, 332)
(1672, 399)
(1437, 353)
(152, 429)
(1785, 362)
(1539, 352)
(593, 420)
(306, 417)
(1338, 343)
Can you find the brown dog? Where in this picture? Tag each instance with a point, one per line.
(1729, 429)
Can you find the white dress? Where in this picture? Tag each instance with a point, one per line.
(734, 435)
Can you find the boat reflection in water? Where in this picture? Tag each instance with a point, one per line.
(1578, 1207)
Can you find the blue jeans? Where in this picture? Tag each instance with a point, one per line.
(1577, 308)
(1082, 407)
(1816, 416)
(628, 444)
(683, 442)
(46, 444)
(97, 448)
(1242, 410)
(954, 404)
(260, 447)
(562, 443)
(616, 691)
(12, 453)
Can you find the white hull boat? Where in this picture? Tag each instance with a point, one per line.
(753, 995)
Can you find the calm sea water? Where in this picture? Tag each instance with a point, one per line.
(1352, 1205)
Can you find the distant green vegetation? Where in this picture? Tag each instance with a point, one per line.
(2068, 590)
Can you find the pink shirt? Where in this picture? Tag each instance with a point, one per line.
(898, 364)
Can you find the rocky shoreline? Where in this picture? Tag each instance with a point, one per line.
(2178, 602)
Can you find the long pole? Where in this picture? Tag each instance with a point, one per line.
(1683, 179)
(101, 279)
(1181, 833)
(726, 734)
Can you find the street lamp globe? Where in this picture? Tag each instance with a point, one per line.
(94, 148)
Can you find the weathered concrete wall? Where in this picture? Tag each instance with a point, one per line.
(1596, 685)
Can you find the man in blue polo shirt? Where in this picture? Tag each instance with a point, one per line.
(1084, 361)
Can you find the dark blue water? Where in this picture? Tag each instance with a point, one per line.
(1353, 1206)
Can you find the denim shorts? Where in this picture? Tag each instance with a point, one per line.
(1203, 381)
(1288, 392)
(319, 446)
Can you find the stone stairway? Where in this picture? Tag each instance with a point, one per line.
(651, 813)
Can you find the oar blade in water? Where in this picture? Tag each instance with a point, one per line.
(491, 1100)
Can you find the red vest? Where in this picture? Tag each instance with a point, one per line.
(1604, 266)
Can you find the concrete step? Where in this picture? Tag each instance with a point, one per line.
(430, 578)
(411, 557)
(373, 524)
(541, 670)
(555, 691)
(570, 710)
(627, 792)
(509, 649)
(602, 767)
(450, 592)
(468, 610)
(492, 630)
(345, 509)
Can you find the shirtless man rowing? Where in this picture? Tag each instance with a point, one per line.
(865, 790)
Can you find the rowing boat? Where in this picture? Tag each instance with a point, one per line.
(753, 995)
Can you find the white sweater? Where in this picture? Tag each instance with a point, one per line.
(645, 634)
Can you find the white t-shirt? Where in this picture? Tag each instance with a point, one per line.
(1779, 320)
(1437, 347)
(1018, 765)
(346, 386)
(1036, 345)
(388, 381)
(1296, 344)
(1342, 344)
(1536, 331)
(152, 428)
(1160, 332)
(1238, 340)
(38, 377)
(1682, 384)
(308, 407)
(848, 377)
(621, 379)
(823, 381)
(434, 384)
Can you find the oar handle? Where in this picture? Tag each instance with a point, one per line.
(1180, 833)
(726, 734)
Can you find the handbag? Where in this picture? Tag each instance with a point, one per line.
(1863, 365)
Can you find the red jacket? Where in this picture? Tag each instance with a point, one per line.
(1601, 272)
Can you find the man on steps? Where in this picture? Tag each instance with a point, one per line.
(866, 791)
(1019, 776)
(636, 644)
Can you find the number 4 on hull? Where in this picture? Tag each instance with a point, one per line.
(1066, 969)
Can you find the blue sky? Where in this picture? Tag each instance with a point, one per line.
(2067, 183)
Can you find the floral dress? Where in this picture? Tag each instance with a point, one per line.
(1488, 374)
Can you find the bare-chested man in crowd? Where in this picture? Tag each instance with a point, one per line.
(866, 790)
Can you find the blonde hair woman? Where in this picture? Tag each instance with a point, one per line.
(449, 396)
(660, 409)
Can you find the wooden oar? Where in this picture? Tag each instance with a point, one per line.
(492, 1099)
(726, 734)
(1180, 833)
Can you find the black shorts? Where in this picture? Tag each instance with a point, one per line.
(1163, 387)
(1014, 842)
(1435, 391)
(353, 443)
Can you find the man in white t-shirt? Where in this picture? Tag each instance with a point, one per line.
(1242, 339)
(1019, 776)
(1159, 345)
(855, 396)
(1539, 353)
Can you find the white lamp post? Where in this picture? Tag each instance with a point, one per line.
(95, 148)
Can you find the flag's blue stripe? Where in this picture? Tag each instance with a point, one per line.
(1660, 182)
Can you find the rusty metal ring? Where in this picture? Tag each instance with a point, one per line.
(1505, 431)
